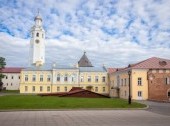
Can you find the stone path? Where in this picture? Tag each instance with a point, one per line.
(84, 118)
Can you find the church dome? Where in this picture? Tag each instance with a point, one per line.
(38, 17)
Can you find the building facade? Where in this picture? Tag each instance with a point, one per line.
(62, 79)
(149, 80)
(11, 81)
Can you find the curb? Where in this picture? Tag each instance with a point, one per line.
(81, 109)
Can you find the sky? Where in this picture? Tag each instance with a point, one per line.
(112, 32)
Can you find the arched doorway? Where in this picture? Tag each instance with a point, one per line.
(89, 88)
(168, 94)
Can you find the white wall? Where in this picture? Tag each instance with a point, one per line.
(9, 83)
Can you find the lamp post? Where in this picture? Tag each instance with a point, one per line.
(129, 98)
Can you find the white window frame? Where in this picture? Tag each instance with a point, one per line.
(89, 78)
(139, 81)
(26, 77)
(139, 93)
(104, 79)
(96, 79)
(41, 78)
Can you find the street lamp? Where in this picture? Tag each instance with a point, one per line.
(129, 98)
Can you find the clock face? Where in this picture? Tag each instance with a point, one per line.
(37, 41)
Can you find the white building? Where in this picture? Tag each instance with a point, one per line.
(11, 81)
(37, 43)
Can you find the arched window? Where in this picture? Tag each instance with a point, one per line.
(169, 93)
(37, 34)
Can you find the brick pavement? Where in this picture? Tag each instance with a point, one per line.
(83, 118)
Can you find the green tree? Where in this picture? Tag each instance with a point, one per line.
(2, 65)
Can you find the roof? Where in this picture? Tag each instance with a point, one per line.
(151, 63)
(92, 69)
(48, 67)
(12, 69)
(112, 70)
(84, 61)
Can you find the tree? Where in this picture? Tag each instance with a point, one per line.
(2, 65)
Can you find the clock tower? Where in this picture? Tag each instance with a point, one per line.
(37, 43)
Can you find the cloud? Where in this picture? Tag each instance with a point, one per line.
(113, 32)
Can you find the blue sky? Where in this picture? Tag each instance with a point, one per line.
(113, 32)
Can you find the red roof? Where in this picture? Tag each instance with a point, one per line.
(151, 63)
(11, 70)
(112, 70)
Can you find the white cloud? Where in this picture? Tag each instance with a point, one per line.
(73, 26)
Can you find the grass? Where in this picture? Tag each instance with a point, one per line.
(51, 102)
(10, 91)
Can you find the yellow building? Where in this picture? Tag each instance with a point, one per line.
(43, 79)
(140, 85)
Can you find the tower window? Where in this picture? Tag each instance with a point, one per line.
(42, 35)
(37, 34)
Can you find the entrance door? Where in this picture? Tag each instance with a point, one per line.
(140, 95)
(89, 88)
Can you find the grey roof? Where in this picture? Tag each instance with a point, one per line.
(48, 68)
(92, 69)
(84, 61)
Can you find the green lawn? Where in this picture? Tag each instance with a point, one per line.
(51, 102)
(10, 91)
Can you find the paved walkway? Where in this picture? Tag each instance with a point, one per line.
(84, 118)
(158, 107)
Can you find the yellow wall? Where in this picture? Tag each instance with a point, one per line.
(135, 88)
(124, 89)
(53, 84)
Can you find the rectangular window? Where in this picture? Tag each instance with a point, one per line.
(48, 78)
(104, 89)
(125, 81)
(96, 89)
(33, 88)
(122, 82)
(48, 88)
(89, 78)
(12, 77)
(7, 84)
(11, 84)
(167, 80)
(125, 93)
(34, 78)
(139, 81)
(26, 77)
(41, 88)
(58, 88)
(41, 78)
(18, 77)
(66, 78)
(58, 78)
(96, 79)
(103, 79)
(72, 79)
(26, 88)
(6, 77)
(81, 79)
(65, 88)
(139, 93)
